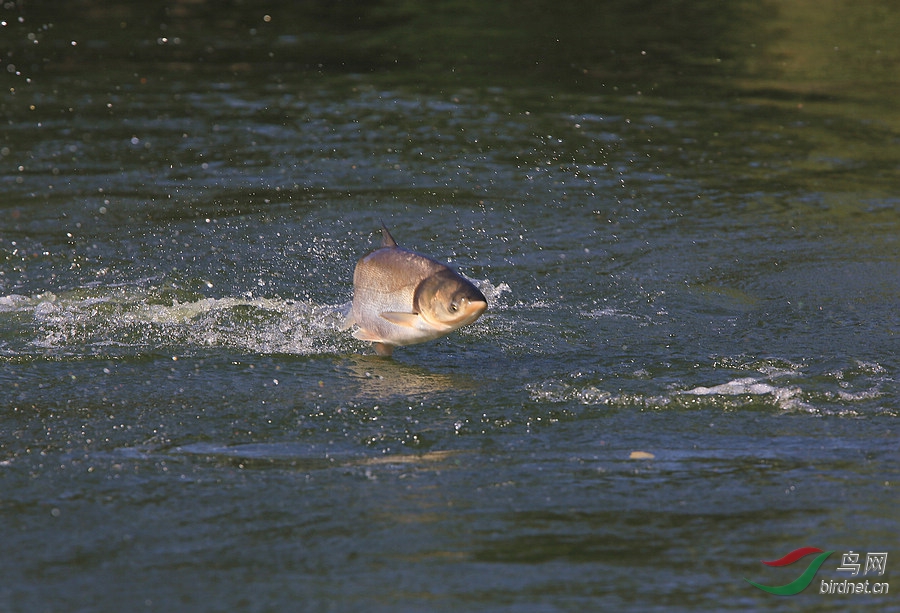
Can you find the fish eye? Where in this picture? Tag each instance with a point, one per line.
(454, 307)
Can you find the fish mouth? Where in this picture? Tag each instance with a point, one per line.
(473, 310)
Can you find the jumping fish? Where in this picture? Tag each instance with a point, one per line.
(402, 298)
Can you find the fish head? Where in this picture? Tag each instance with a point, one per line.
(447, 301)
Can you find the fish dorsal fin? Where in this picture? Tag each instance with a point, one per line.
(386, 239)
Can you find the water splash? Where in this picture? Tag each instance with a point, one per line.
(116, 321)
(492, 292)
(112, 321)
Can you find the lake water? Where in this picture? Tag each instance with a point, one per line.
(686, 223)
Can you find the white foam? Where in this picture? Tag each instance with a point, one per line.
(783, 397)
(747, 385)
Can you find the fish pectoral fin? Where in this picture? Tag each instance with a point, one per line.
(408, 320)
(384, 350)
(381, 348)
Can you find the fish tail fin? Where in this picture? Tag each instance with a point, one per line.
(349, 319)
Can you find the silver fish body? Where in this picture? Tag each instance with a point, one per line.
(401, 297)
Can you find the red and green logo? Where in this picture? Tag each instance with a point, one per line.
(800, 583)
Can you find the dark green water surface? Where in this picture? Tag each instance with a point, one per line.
(685, 217)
